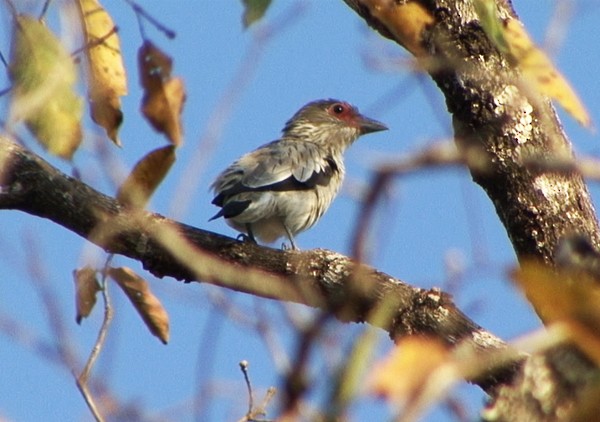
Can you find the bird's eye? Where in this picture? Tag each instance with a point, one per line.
(338, 108)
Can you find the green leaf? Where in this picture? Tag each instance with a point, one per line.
(254, 10)
(491, 23)
(43, 76)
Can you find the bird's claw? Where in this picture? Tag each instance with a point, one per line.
(243, 237)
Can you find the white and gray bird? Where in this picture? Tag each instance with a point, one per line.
(285, 186)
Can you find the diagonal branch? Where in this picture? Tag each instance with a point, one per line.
(496, 112)
(317, 278)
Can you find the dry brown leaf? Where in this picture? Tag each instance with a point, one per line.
(146, 176)
(406, 21)
(86, 287)
(107, 80)
(401, 376)
(164, 96)
(147, 305)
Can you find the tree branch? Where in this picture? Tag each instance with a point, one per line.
(494, 111)
(317, 278)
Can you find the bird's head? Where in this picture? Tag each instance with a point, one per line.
(330, 122)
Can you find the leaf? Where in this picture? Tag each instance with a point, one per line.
(401, 376)
(254, 10)
(560, 295)
(86, 287)
(146, 304)
(564, 297)
(405, 21)
(146, 176)
(43, 76)
(163, 96)
(491, 23)
(107, 80)
(511, 38)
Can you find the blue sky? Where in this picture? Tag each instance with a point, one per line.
(433, 221)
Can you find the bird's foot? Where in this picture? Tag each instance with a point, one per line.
(290, 236)
(286, 247)
(243, 237)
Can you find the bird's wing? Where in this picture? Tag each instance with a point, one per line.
(288, 165)
(278, 166)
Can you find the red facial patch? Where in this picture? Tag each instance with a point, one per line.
(344, 112)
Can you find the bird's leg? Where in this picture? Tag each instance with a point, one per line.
(247, 237)
(250, 234)
(290, 237)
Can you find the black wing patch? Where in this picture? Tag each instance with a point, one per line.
(233, 208)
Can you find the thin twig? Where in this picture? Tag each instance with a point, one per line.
(45, 9)
(5, 63)
(262, 410)
(108, 316)
(139, 10)
(588, 167)
(93, 43)
(296, 382)
(439, 155)
(244, 368)
(89, 400)
(83, 378)
(13, 9)
(50, 301)
(251, 415)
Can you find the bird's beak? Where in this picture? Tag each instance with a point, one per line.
(367, 125)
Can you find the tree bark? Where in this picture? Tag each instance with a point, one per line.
(318, 278)
(496, 114)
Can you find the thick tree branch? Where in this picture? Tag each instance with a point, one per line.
(495, 112)
(317, 278)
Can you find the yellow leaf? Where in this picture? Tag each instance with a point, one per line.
(86, 287)
(163, 96)
(107, 80)
(146, 304)
(560, 295)
(43, 76)
(405, 21)
(564, 297)
(402, 375)
(146, 176)
(511, 38)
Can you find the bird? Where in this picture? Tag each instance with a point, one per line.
(284, 187)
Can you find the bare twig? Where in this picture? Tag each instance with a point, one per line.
(101, 338)
(587, 166)
(95, 42)
(45, 9)
(244, 368)
(443, 154)
(255, 414)
(54, 314)
(139, 10)
(83, 378)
